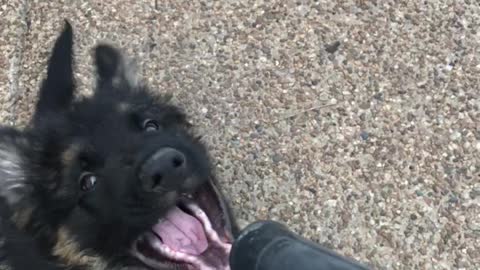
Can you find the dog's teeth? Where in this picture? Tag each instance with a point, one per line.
(207, 225)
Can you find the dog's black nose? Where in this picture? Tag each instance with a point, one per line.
(165, 169)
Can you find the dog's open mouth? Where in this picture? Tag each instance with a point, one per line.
(193, 235)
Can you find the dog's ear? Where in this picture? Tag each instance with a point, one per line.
(13, 176)
(114, 69)
(56, 92)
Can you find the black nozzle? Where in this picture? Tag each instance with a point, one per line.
(268, 245)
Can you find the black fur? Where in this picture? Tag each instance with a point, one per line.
(40, 167)
(57, 90)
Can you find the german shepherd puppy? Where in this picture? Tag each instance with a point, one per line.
(117, 180)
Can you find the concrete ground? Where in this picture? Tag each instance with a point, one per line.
(356, 122)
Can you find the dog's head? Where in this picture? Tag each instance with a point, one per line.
(115, 178)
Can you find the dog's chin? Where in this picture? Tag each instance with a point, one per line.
(195, 234)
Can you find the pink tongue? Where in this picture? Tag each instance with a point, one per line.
(182, 232)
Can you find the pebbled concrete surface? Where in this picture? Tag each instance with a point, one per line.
(355, 122)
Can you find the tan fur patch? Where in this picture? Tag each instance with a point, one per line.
(22, 217)
(68, 250)
(70, 154)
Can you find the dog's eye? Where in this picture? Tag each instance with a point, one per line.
(87, 181)
(150, 125)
